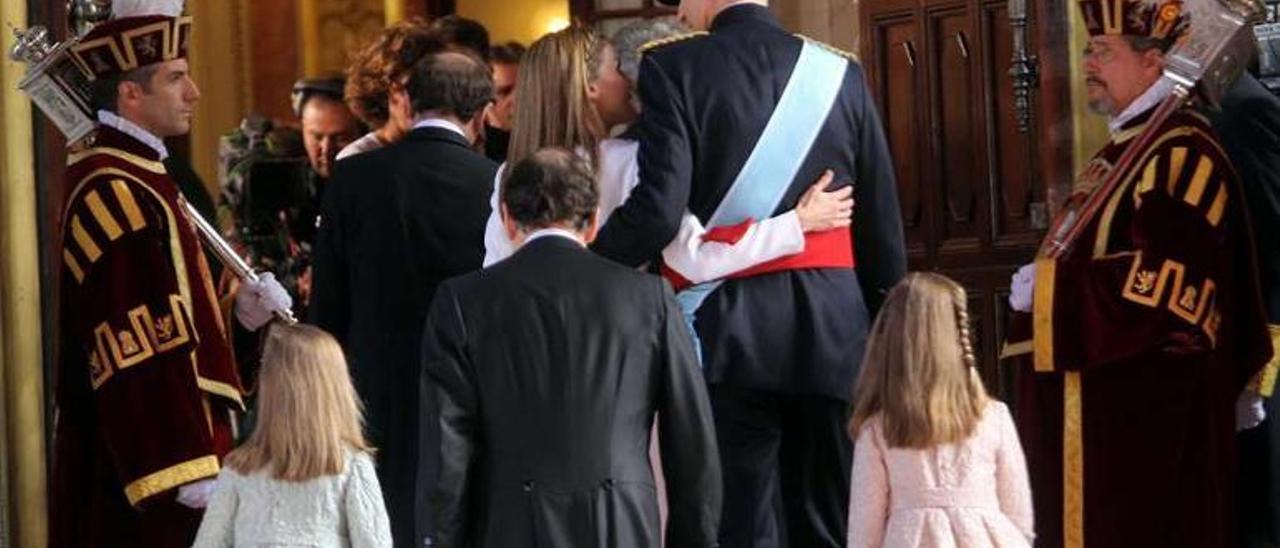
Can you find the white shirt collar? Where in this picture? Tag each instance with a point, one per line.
(440, 123)
(1148, 100)
(110, 119)
(558, 232)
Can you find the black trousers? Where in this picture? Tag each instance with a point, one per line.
(785, 461)
(1258, 482)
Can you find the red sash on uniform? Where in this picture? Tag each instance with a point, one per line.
(827, 249)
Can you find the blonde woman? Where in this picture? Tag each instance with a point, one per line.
(936, 461)
(572, 94)
(305, 476)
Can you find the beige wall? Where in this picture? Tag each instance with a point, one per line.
(219, 57)
(520, 20)
(832, 21)
(334, 29)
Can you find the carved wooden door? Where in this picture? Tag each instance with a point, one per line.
(972, 189)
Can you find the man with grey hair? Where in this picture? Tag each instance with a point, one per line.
(629, 43)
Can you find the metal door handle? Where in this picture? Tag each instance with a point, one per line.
(964, 45)
(910, 50)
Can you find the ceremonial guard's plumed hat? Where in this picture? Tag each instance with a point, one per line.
(142, 32)
(60, 76)
(1163, 20)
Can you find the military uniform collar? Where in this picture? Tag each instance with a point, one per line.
(744, 13)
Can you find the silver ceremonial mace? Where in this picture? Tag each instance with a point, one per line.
(226, 253)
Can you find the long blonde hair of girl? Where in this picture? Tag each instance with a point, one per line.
(919, 373)
(308, 413)
(552, 108)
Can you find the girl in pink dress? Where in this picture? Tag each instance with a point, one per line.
(937, 463)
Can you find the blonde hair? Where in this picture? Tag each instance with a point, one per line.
(552, 108)
(919, 372)
(308, 413)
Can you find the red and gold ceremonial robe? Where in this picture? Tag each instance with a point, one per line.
(146, 380)
(1140, 339)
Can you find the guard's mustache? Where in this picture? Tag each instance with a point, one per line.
(1092, 80)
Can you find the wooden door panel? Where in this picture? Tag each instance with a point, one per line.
(956, 131)
(895, 42)
(1015, 187)
(969, 182)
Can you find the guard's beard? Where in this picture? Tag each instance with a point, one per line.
(1102, 106)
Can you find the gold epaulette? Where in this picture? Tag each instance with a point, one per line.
(671, 40)
(846, 54)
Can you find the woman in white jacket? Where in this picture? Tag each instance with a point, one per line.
(570, 93)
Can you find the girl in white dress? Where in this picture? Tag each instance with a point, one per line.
(570, 93)
(305, 476)
(936, 462)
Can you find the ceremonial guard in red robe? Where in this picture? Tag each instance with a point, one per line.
(146, 381)
(1141, 335)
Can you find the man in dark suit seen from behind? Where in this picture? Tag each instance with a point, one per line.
(548, 368)
(396, 222)
(1249, 125)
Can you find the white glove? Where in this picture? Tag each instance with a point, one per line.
(257, 302)
(197, 494)
(1021, 288)
(1249, 410)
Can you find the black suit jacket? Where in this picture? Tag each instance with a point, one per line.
(548, 368)
(395, 223)
(1249, 125)
(705, 102)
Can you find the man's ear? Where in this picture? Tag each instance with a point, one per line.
(509, 225)
(593, 228)
(476, 123)
(1154, 58)
(128, 91)
(484, 114)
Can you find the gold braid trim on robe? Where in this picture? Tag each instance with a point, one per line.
(143, 163)
(1042, 314)
(1264, 383)
(171, 477)
(1072, 462)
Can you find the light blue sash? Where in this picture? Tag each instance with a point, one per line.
(769, 171)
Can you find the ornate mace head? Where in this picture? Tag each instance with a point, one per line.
(82, 15)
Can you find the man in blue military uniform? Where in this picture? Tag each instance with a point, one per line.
(737, 119)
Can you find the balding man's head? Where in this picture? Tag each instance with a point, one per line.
(450, 83)
(551, 188)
